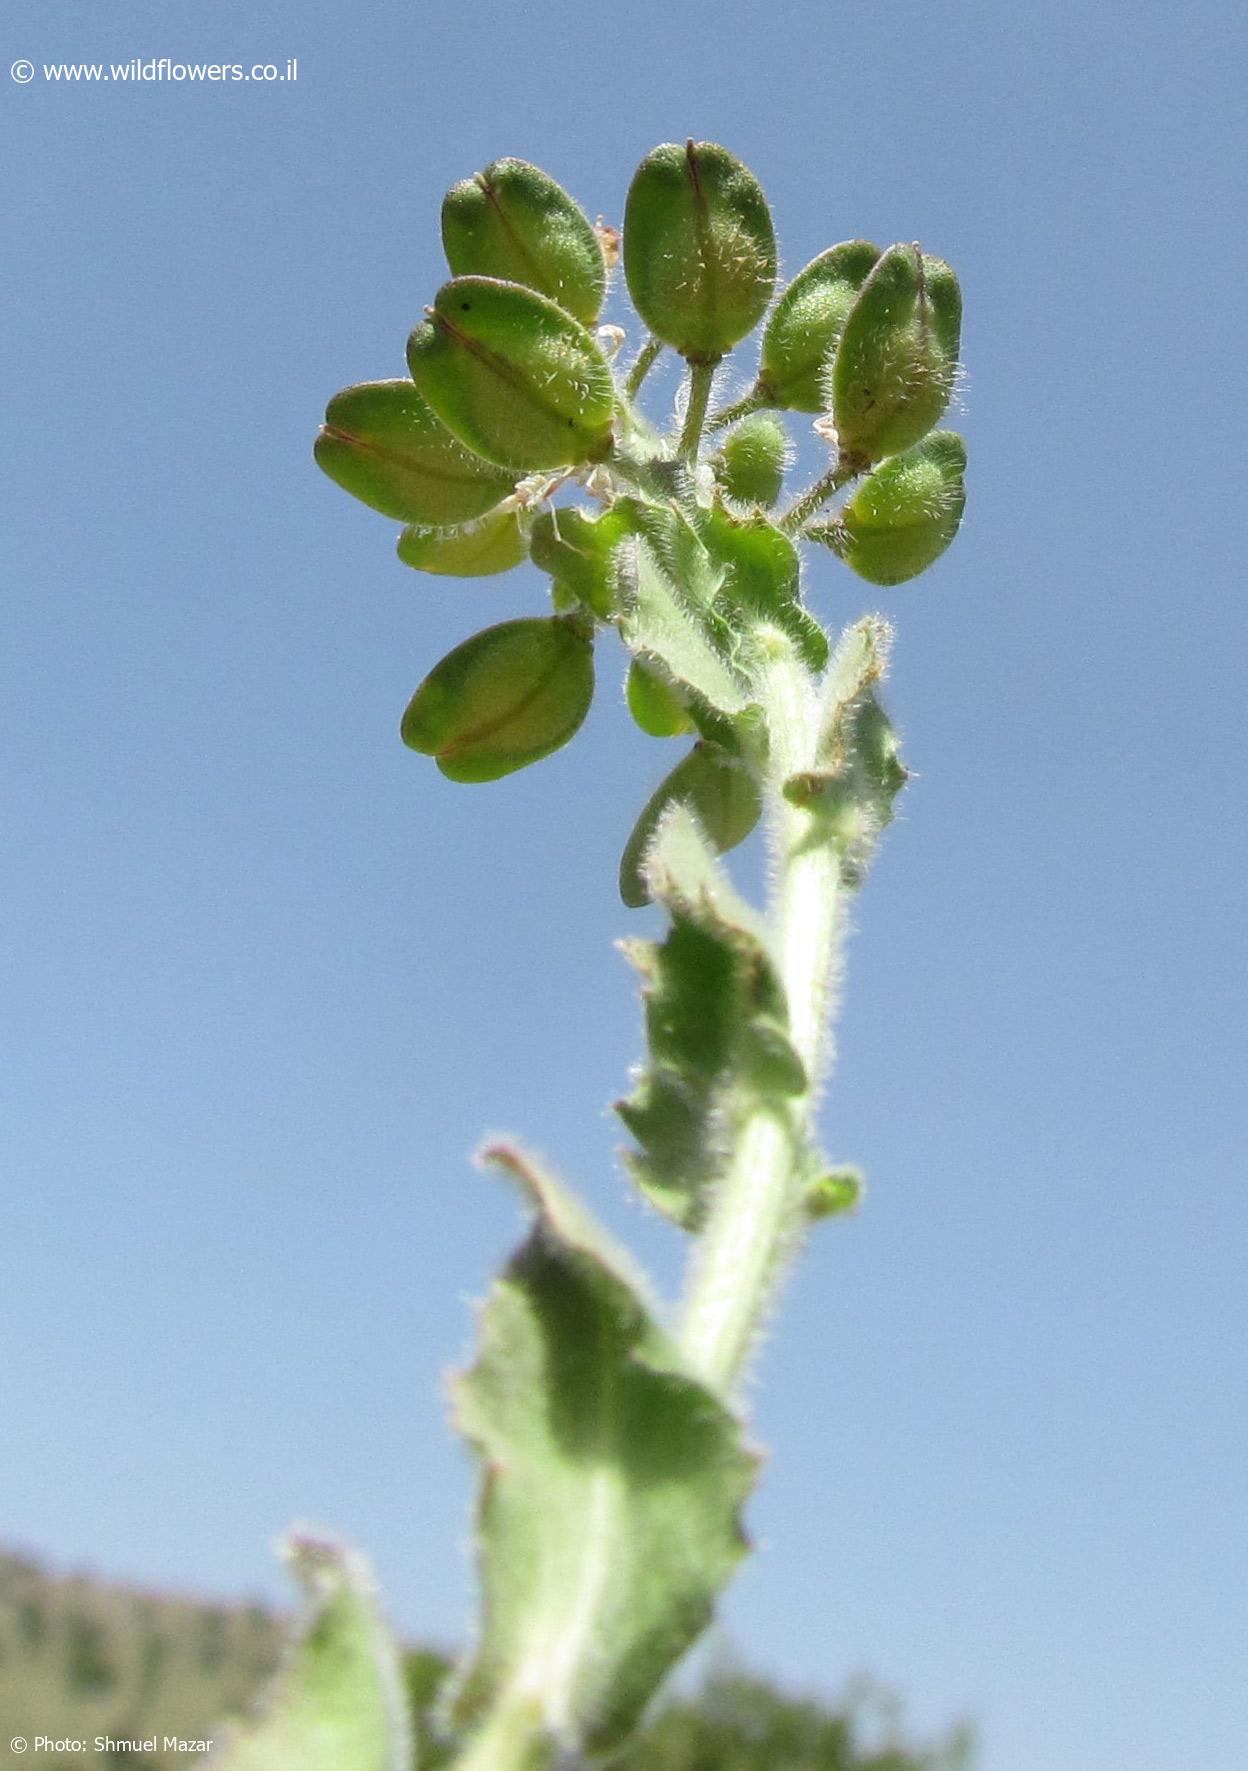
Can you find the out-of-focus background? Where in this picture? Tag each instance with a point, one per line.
(265, 976)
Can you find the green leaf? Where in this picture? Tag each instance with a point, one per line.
(504, 698)
(904, 515)
(806, 323)
(761, 578)
(578, 550)
(338, 1706)
(513, 375)
(654, 703)
(852, 792)
(478, 550)
(699, 248)
(383, 444)
(514, 222)
(859, 662)
(723, 796)
(858, 772)
(895, 366)
(612, 1487)
(716, 1022)
(751, 460)
(669, 584)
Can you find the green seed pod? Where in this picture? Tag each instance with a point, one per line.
(513, 376)
(894, 368)
(495, 544)
(723, 796)
(751, 460)
(579, 553)
(505, 698)
(382, 443)
(513, 221)
(905, 514)
(699, 248)
(806, 325)
(654, 703)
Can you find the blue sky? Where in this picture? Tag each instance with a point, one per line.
(266, 977)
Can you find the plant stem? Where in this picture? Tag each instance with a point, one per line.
(701, 375)
(510, 1740)
(757, 1211)
(819, 493)
(739, 409)
(646, 358)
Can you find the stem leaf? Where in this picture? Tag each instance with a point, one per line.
(338, 1705)
(716, 1023)
(761, 576)
(831, 1191)
(609, 1512)
(723, 795)
(859, 772)
(669, 586)
(578, 550)
(654, 703)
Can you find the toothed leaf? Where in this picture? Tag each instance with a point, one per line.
(338, 1705)
(716, 1024)
(859, 776)
(613, 1481)
(669, 585)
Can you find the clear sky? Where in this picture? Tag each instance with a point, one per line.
(265, 977)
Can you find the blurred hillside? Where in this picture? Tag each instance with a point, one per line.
(82, 1659)
(79, 1658)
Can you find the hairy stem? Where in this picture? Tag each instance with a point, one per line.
(741, 408)
(819, 493)
(701, 375)
(647, 356)
(758, 1208)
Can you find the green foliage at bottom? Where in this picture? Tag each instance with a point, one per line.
(81, 1658)
(733, 1722)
